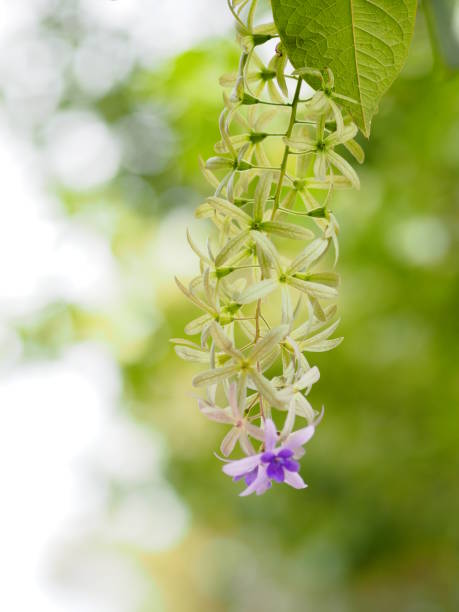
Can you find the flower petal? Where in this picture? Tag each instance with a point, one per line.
(289, 422)
(265, 387)
(254, 431)
(215, 375)
(259, 485)
(308, 379)
(263, 486)
(300, 437)
(213, 413)
(257, 291)
(291, 465)
(304, 408)
(285, 453)
(294, 480)
(245, 443)
(232, 400)
(276, 472)
(241, 466)
(229, 441)
(264, 346)
(270, 435)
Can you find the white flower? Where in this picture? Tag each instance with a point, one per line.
(232, 415)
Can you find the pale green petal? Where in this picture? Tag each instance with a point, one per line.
(289, 422)
(215, 375)
(301, 332)
(265, 388)
(308, 256)
(227, 208)
(257, 291)
(332, 279)
(341, 136)
(355, 150)
(198, 252)
(223, 342)
(287, 230)
(208, 175)
(307, 379)
(231, 248)
(344, 167)
(193, 298)
(268, 249)
(189, 354)
(196, 325)
(217, 163)
(320, 346)
(314, 289)
(301, 145)
(264, 346)
(304, 408)
(320, 165)
(261, 195)
(317, 308)
(287, 309)
(228, 79)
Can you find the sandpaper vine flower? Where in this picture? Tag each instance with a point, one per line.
(267, 285)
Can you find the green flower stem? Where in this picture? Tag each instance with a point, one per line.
(285, 104)
(283, 168)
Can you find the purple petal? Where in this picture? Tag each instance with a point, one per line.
(241, 466)
(285, 453)
(294, 480)
(259, 485)
(270, 435)
(251, 476)
(291, 466)
(300, 437)
(267, 457)
(276, 472)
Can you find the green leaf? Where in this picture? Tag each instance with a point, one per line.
(363, 42)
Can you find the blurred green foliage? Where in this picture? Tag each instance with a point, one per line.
(378, 528)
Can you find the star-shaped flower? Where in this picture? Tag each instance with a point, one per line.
(274, 463)
(232, 415)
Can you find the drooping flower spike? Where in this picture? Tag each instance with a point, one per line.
(266, 290)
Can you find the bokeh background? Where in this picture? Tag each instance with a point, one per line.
(111, 499)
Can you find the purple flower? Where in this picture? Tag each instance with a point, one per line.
(276, 464)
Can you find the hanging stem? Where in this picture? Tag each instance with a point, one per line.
(283, 168)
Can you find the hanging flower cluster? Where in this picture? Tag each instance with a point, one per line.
(267, 286)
